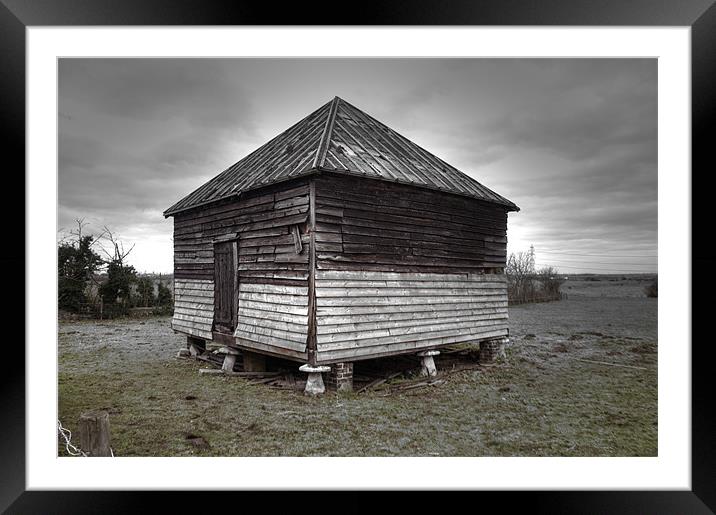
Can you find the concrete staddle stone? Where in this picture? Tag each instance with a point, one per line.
(229, 362)
(428, 363)
(428, 353)
(183, 353)
(194, 350)
(314, 383)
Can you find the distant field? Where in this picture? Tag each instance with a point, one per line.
(607, 285)
(549, 398)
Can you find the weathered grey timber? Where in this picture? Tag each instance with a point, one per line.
(94, 438)
(340, 240)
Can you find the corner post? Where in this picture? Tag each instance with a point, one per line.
(311, 336)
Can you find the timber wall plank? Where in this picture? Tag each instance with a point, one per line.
(274, 316)
(363, 224)
(363, 314)
(264, 223)
(273, 276)
(194, 307)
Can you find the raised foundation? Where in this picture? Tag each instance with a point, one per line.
(491, 350)
(254, 362)
(196, 346)
(314, 383)
(428, 363)
(340, 377)
(229, 358)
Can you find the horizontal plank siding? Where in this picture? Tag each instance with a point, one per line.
(264, 224)
(376, 351)
(273, 318)
(363, 224)
(362, 314)
(194, 307)
(273, 243)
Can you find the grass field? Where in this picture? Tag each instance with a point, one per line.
(552, 396)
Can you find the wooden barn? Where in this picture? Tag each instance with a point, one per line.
(340, 240)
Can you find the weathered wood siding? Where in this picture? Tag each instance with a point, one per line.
(364, 314)
(400, 269)
(263, 222)
(267, 224)
(273, 318)
(193, 307)
(363, 224)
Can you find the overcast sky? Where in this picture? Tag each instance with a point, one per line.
(573, 142)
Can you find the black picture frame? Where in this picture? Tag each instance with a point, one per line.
(700, 15)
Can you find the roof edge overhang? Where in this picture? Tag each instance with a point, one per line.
(507, 205)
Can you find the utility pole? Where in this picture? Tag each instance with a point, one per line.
(532, 259)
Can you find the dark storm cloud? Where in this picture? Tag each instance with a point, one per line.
(135, 135)
(201, 92)
(571, 141)
(581, 124)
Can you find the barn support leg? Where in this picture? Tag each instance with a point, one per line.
(229, 358)
(314, 383)
(196, 346)
(254, 362)
(428, 363)
(491, 350)
(340, 377)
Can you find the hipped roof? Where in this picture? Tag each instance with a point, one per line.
(339, 138)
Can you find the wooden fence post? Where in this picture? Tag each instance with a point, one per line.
(94, 433)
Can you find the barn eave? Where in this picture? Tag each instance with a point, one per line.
(507, 205)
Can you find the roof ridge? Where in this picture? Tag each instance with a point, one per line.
(366, 147)
(325, 140)
(443, 164)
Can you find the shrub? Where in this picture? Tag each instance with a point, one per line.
(76, 262)
(652, 290)
(163, 310)
(145, 292)
(550, 282)
(164, 296)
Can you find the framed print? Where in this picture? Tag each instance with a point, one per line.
(364, 238)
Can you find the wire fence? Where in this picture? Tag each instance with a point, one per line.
(71, 448)
(66, 435)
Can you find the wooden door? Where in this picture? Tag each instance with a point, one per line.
(225, 287)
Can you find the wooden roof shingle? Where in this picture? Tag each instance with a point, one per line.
(338, 138)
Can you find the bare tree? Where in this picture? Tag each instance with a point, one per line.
(520, 272)
(550, 282)
(116, 254)
(116, 292)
